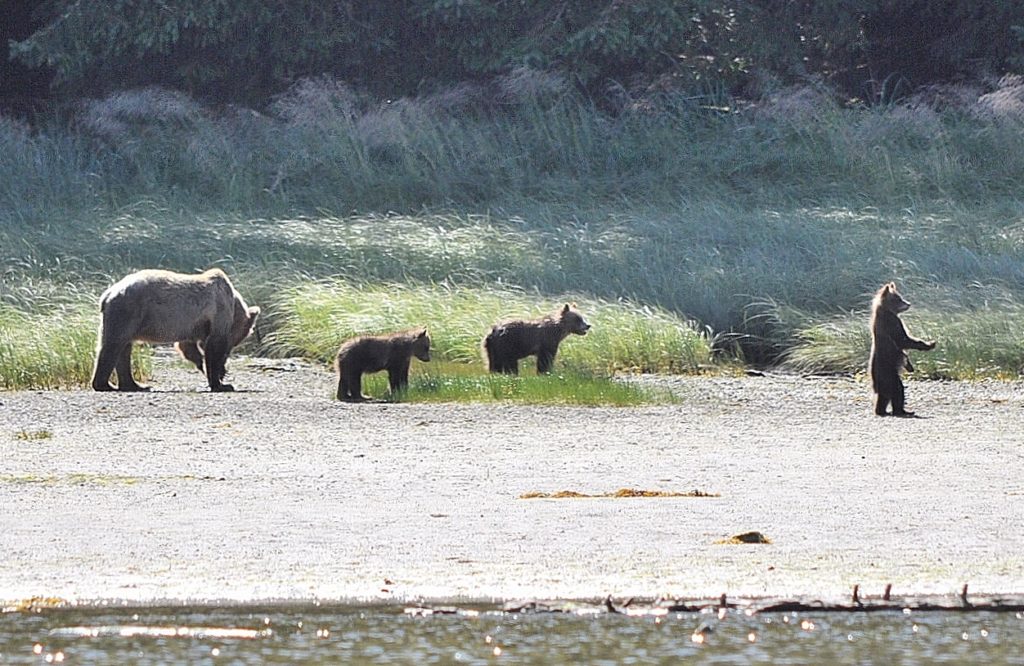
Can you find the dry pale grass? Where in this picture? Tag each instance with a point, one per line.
(620, 493)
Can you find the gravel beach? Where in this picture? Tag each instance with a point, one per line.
(278, 492)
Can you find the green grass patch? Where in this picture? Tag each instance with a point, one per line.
(52, 348)
(57, 348)
(445, 381)
(461, 383)
(314, 319)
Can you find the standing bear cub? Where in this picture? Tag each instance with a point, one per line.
(373, 353)
(202, 314)
(510, 341)
(889, 339)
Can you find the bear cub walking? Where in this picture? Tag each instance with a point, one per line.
(510, 341)
(202, 314)
(889, 339)
(373, 353)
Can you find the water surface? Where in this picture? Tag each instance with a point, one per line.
(391, 635)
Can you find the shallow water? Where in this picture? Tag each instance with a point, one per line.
(320, 634)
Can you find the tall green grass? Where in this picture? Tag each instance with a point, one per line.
(975, 340)
(52, 349)
(313, 320)
(325, 146)
(699, 213)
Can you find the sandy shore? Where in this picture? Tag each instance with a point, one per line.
(279, 492)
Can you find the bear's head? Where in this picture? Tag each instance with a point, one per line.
(421, 345)
(889, 299)
(245, 320)
(572, 321)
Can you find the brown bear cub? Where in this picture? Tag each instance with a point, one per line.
(510, 341)
(202, 314)
(889, 339)
(373, 353)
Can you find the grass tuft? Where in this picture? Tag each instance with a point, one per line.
(51, 349)
(32, 435)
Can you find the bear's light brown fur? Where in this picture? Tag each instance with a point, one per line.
(202, 313)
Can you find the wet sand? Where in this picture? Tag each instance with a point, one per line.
(278, 492)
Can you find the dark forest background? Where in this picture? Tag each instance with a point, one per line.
(224, 51)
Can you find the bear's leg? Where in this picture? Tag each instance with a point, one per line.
(106, 358)
(355, 386)
(398, 376)
(216, 348)
(545, 359)
(881, 403)
(343, 389)
(899, 400)
(125, 381)
(189, 349)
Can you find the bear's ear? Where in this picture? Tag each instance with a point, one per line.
(254, 311)
(566, 308)
(423, 333)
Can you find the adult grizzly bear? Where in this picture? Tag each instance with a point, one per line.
(889, 339)
(202, 313)
(510, 341)
(373, 353)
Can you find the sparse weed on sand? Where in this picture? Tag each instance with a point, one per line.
(32, 435)
(618, 494)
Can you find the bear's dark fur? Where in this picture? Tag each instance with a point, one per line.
(510, 341)
(889, 339)
(374, 353)
(202, 314)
